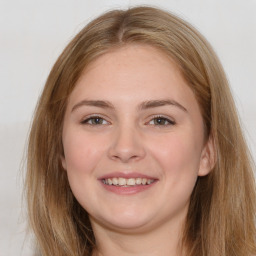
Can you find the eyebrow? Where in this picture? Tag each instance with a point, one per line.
(93, 103)
(160, 103)
(143, 106)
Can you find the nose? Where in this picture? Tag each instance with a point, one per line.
(127, 145)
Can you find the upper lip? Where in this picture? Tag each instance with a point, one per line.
(126, 175)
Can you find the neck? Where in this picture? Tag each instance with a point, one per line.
(161, 241)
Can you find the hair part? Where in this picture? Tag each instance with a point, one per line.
(221, 214)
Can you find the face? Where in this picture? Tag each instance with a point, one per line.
(133, 140)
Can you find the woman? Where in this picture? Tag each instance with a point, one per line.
(136, 148)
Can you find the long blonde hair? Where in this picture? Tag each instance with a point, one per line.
(221, 215)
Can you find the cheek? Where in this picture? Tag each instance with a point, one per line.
(178, 155)
(82, 152)
(82, 156)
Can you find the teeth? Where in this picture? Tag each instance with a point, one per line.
(114, 181)
(127, 182)
(138, 181)
(149, 182)
(121, 182)
(131, 182)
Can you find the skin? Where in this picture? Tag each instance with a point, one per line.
(128, 138)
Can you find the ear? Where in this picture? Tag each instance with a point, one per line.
(208, 157)
(63, 161)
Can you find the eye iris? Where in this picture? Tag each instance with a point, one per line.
(97, 120)
(160, 121)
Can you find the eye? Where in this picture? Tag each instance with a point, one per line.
(95, 120)
(161, 121)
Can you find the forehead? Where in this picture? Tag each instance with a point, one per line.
(130, 73)
(123, 56)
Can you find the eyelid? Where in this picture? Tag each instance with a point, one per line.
(93, 116)
(168, 119)
(86, 120)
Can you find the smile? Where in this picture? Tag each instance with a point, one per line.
(127, 182)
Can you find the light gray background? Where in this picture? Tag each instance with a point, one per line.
(32, 35)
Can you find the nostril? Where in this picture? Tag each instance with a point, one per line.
(126, 155)
(127, 145)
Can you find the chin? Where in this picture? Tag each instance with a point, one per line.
(125, 221)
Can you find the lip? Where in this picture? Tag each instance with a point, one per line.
(131, 190)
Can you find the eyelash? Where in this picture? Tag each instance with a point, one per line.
(167, 121)
(162, 118)
(89, 119)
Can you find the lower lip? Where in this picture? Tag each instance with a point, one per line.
(127, 190)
